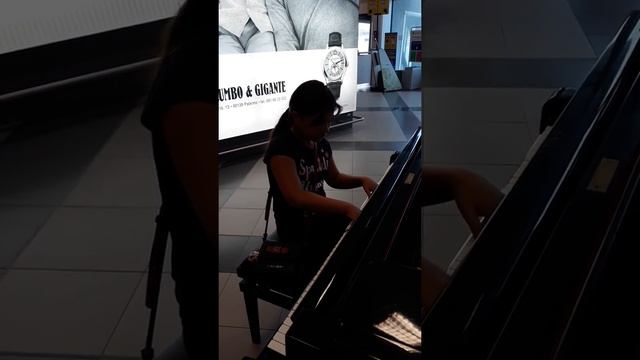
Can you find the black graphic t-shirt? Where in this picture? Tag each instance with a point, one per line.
(312, 166)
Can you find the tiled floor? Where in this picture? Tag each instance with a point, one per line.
(75, 246)
(62, 312)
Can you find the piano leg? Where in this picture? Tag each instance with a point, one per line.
(251, 303)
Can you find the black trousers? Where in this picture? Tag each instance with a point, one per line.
(195, 275)
(316, 237)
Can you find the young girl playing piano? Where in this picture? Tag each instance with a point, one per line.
(299, 160)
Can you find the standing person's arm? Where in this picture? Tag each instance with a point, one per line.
(192, 140)
(283, 30)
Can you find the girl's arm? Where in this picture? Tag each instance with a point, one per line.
(284, 171)
(337, 180)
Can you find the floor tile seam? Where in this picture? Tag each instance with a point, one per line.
(250, 209)
(124, 311)
(226, 282)
(251, 188)
(34, 236)
(581, 25)
(29, 206)
(405, 131)
(74, 206)
(529, 131)
(82, 172)
(244, 236)
(122, 206)
(119, 157)
(47, 356)
(241, 208)
(229, 273)
(98, 157)
(503, 35)
(48, 269)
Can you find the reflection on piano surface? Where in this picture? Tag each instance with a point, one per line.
(364, 302)
(401, 331)
(543, 279)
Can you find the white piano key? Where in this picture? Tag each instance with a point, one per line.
(278, 342)
(277, 347)
(279, 337)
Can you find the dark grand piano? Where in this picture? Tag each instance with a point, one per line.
(553, 274)
(364, 302)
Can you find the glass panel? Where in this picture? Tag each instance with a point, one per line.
(363, 37)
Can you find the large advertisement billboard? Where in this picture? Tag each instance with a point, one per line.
(269, 47)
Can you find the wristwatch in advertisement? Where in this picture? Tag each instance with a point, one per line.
(335, 64)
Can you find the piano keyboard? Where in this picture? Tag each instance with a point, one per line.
(468, 244)
(278, 342)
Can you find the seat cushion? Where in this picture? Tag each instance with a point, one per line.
(288, 284)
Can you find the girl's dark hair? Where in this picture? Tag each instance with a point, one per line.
(310, 98)
(194, 23)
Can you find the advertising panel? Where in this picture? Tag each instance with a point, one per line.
(269, 47)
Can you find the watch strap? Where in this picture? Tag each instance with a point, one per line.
(334, 87)
(335, 39)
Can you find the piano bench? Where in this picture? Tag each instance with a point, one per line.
(256, 286)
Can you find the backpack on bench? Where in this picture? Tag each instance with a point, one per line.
(274, 256)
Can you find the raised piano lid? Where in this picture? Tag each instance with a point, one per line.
(604, 322)
(589, 222)
(479, 282)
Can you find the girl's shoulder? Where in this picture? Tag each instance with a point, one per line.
(285, 144)
(324, 144)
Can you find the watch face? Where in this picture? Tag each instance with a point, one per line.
(334, 64)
